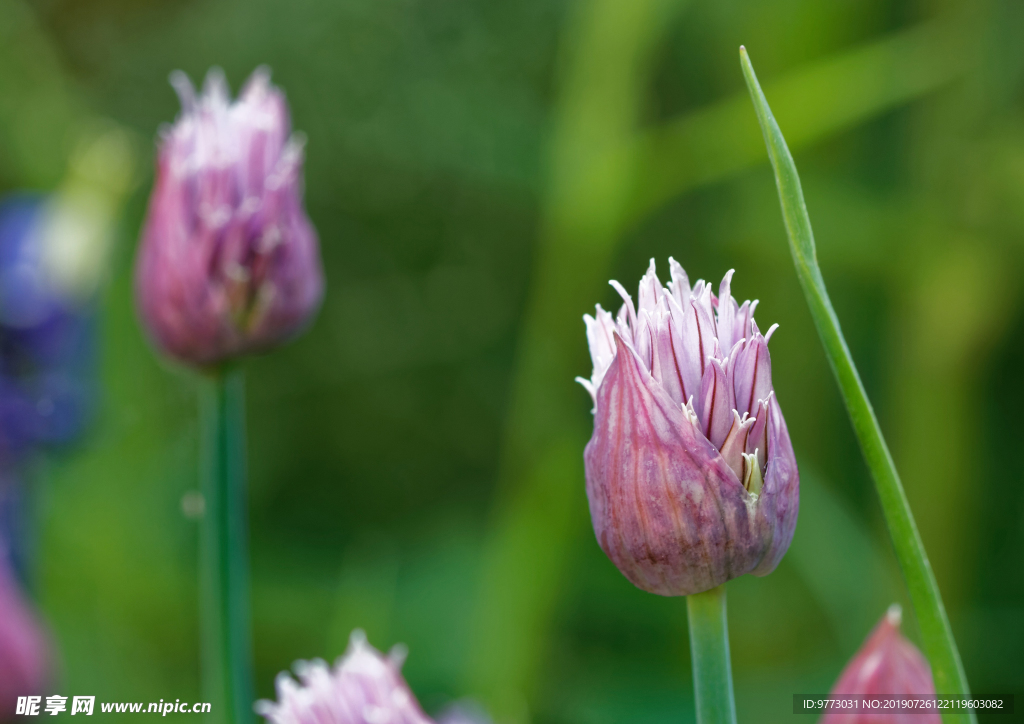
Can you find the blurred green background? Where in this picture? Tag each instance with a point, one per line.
(477, 171)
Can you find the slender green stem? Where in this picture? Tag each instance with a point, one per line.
(224, 556)
(937, 637)
(709, 649)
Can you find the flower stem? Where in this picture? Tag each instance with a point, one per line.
(936, 634)
(224, 556)
(709, 649)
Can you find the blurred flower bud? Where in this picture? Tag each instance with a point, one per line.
(691, 476)
(886, 667)
(229, 262)
(24, 650)
(363, 687)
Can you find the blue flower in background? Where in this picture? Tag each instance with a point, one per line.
(47, 358)
(47, 344)
(25, 300)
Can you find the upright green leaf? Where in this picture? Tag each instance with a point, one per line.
(937, 636)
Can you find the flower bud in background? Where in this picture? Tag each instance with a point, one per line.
(887, 666)
(690, 473)
(363, 687)
(229, 263)
(24, 650)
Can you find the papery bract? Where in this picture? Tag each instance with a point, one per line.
(887, 668)
(691, 476)
(229, 263)
(363, 687)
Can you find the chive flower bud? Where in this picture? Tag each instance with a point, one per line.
(363, 687)
(228, 262)
(887, 668)
(691, 476)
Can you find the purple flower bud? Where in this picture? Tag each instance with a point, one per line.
(886, 667)
(229, 262)
(24, 650)
(363, 687)
(691, 476)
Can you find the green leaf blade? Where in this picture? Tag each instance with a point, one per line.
(936, 634)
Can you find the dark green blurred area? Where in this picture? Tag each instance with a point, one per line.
(477, 171)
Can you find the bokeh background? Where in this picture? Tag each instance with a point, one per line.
(477, 171)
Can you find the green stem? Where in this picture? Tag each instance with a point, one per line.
(936, 634)
(709, 649)
(224, 556)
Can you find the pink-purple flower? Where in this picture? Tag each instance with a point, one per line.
(229, 262)
(887, 668)
(363, 687)
(24, 649)
(690, 472)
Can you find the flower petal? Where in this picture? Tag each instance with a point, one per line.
(779, 501)
(650, 290)
(600, 331)
(694, 344)
(664, 362)
(728, 312)
(736, 442)
(679, 287)
(752, 373)
(758, 437)
(627, 313)
(716, 404)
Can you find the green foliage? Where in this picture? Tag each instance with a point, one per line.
(477, 171)
(940, 648)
